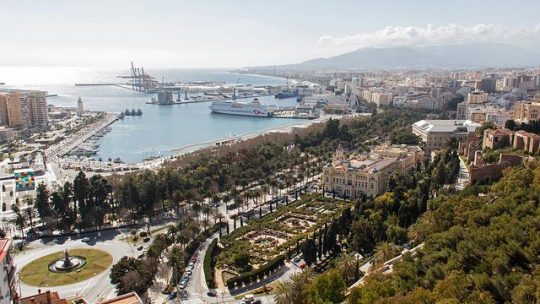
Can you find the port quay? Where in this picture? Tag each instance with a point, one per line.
(75, 140)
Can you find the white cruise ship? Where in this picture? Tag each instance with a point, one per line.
(254, 108)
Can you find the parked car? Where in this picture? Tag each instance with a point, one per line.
(248, 299)
(140, 248)
(146, 239)
(172, 295)
(211, 293)
(85, 239)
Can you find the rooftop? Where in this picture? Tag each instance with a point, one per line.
(4, 247)
(128, 298)
(44, 298)
(447, 125)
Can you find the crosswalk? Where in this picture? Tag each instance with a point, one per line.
(192, 301)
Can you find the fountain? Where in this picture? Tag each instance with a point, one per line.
(68, 263)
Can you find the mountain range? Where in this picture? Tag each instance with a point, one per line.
(472, 55)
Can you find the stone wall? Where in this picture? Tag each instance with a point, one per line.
(494, 171)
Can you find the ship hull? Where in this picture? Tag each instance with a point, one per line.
(253, 109)
(254, 113)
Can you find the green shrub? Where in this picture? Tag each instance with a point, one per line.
(209, 263)
(251, 277)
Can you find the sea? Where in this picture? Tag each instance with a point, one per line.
(161, 130)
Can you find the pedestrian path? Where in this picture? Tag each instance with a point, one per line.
(193, 301)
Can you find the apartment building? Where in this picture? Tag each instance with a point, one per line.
(477, 97)
(526, 112)
(36, 105)
(8, 290)
(24, 109)
(11, 110)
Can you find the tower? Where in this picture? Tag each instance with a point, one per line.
(80, 107)
(340, 155)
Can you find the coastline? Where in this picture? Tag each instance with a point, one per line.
(191, 148)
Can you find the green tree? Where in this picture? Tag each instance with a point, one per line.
(328, 288)
(42, 203)
(241, 261)
(309, 251)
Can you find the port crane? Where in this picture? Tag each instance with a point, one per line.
(186, 91)
(140, 81)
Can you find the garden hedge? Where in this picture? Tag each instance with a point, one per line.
(208, 264)
(252, 276)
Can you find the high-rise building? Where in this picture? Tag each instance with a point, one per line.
(36, 105)
(526, 82)
(26, 109)
(11, 110)
(8, 290)
(488, 85)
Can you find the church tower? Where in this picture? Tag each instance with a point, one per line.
(340, 155)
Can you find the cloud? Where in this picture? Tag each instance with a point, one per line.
(430, 34)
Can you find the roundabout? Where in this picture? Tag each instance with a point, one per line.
(65, 267)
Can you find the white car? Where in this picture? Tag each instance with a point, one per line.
(85, 239)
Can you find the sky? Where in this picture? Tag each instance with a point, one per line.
(241, 33)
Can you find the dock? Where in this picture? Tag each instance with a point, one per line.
(75, 140)
(177, 102)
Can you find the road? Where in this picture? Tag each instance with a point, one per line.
(366, 268)
(96, 288)
(463, 175)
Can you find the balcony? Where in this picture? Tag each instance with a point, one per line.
(11, 274)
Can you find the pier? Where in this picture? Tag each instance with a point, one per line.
(205, 99)
(75, 140)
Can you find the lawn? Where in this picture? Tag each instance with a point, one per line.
(37, 272)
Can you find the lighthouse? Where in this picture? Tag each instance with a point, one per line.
(80, 107)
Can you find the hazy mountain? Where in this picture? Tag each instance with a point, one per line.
(448, 56)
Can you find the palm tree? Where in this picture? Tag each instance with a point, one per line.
(176, 261)
(30, 213)
(172, 231)
(384, 252)
(19, 219)
(283, 293)
(346, 264)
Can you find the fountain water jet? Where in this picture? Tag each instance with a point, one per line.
(68, 263)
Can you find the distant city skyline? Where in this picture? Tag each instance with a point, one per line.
(213, 33)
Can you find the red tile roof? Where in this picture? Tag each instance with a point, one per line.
(4, 247)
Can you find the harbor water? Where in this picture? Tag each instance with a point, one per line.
(161, 129)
